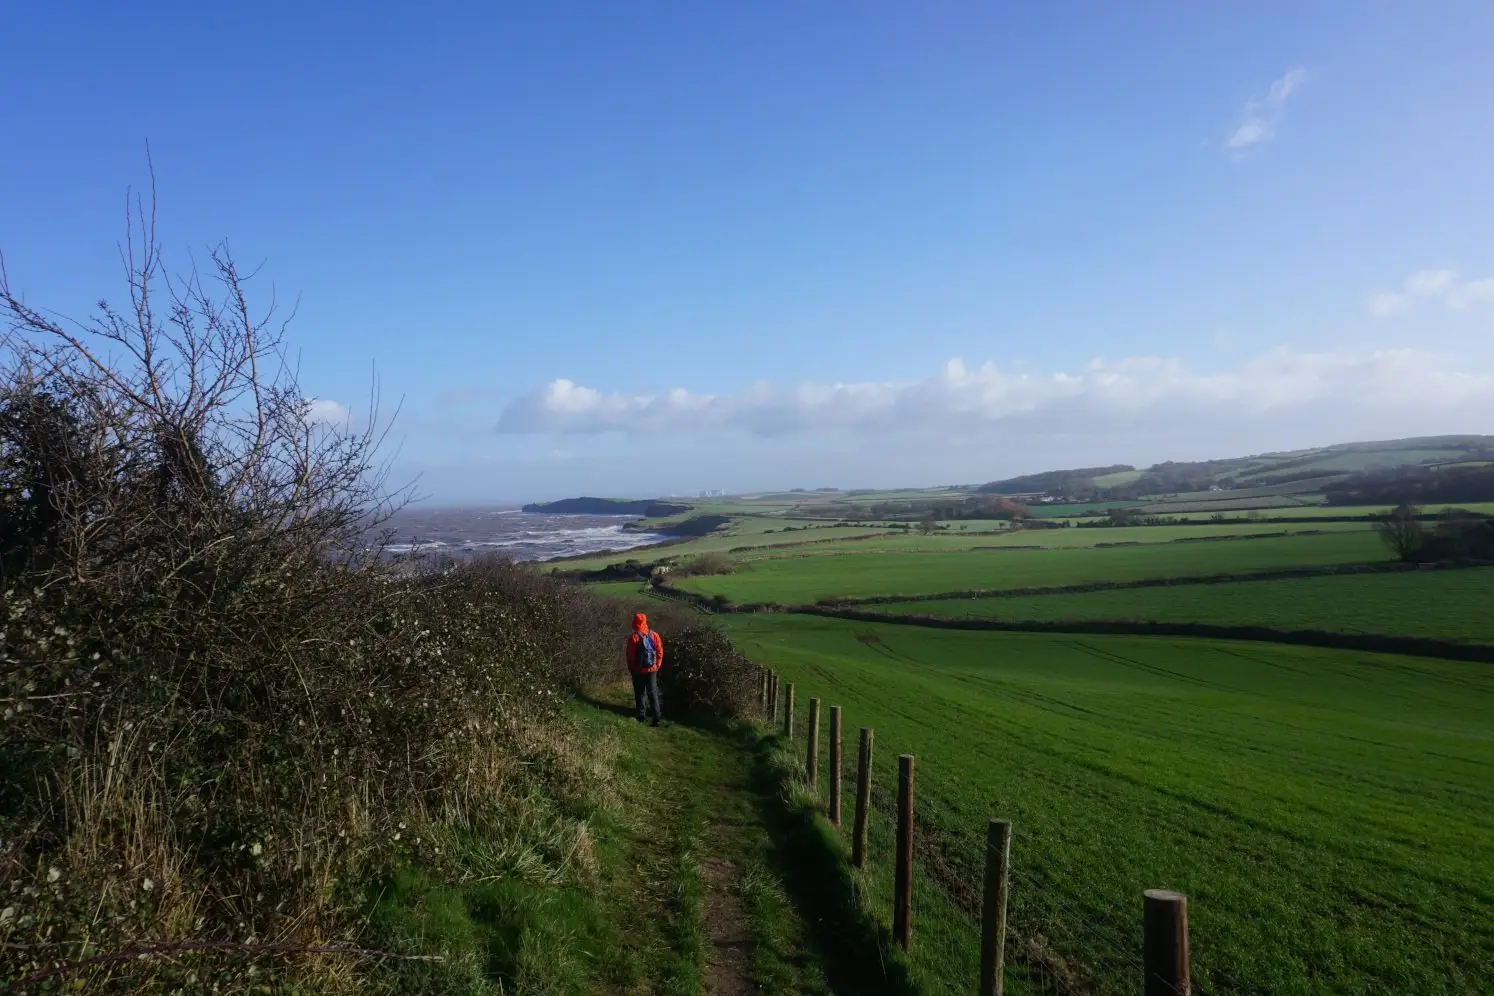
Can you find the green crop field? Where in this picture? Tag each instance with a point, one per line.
(797, 580)
(1327, 813)
(1118, 479)
(958, 540)
(1280, 504)
(1445, 605)
(1356, 461)
(630, 591)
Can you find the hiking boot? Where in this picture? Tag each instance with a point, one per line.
(658, 723)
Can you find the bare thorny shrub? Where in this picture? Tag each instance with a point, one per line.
(217, 706)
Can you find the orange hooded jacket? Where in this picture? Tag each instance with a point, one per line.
(640, 633)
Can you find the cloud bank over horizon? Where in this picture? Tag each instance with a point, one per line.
(1376, 389)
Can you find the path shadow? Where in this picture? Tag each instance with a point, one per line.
(815, 872)
(623, 706)
(614, 707)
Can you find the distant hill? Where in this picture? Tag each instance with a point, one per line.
(649, 508)
(1334, 463)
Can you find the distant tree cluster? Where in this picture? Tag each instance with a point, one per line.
(1458, 535)
(985, 507)
(1416, 486)
(703, 565)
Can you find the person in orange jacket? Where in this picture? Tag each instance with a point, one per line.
(645, 657)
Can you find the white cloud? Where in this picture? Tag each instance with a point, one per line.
(1441, 286)
(1155, 394)
(326, 412)
(1260, 117)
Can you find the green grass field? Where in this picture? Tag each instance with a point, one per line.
(1279, 504)
(1445, 605)
(797, 580)
(973, 538)
(1328, 813)
(1356, 461)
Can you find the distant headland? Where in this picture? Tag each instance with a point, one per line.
(648, 508)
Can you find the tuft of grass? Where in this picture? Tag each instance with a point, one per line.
(771, 920)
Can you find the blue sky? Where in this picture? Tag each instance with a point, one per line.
(650, 247)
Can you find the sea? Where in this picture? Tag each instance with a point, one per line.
(510, 532)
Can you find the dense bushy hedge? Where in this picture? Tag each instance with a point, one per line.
(704, 672)
(211, 778)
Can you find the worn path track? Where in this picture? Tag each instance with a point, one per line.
(704, 840)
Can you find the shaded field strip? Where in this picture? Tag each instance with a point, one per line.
(1277, 574)
(1411, 646)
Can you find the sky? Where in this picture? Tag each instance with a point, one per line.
(646, 248)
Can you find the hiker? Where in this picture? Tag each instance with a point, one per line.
(645, 657)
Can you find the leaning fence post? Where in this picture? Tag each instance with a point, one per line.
(833, 810)
(812, 755)
(902, 884)
(863, 799)
(1165, 943)
(788, 712)
(993, 911)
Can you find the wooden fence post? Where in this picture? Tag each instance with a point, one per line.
(993, 911)
(1165, 943)
(788, 712)
(762, 690)
(902, 883)
(833, 810)
(863, 799)
(812, 755)
(772, 696)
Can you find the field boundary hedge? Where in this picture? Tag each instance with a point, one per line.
(1412, 646)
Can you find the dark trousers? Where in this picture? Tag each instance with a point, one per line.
(647, 684)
